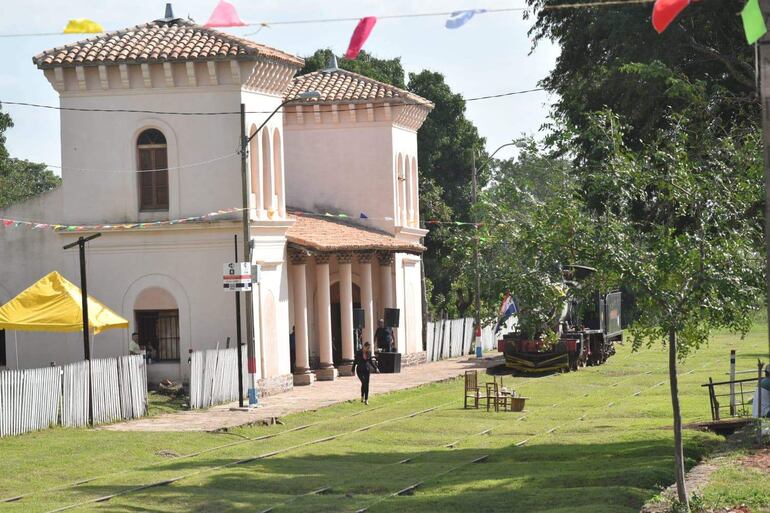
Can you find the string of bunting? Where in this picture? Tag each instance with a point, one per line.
(63, 227)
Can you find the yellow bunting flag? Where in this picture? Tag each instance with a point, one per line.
(83, 26)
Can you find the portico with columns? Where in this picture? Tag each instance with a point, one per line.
(359, 262)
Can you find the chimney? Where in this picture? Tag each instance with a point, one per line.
(331, 66)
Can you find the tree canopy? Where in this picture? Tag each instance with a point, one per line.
(20, 179)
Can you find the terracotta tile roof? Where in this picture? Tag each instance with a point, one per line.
(343, 86)
(325, 234)
(159, 41)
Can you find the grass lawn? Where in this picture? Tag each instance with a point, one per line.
(598, 440)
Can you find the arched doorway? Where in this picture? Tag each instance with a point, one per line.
(156, 316)
(334, 294)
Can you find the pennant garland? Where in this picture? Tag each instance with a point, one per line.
(17, 223)
(459, 18)
(360, 35)
(753, 22)
(224, 15)
(35, 225)
(665, 11)
(82, 26)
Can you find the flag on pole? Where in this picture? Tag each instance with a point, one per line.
(753, 22)
(360, 35)
(83, 26)
(665, 11)
(224, 15)
(459, 18)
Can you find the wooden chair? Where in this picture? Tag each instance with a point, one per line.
(471, 388)
(495, 397)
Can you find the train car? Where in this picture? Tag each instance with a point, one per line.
(589, 325)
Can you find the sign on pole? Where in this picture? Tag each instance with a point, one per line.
(237, 276)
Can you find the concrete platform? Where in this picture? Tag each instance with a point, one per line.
(317, 395)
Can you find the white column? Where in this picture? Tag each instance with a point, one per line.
(367, 299)
(386, 289)
(346, 311)
(326, 371)
(302, 374)
(386, 280)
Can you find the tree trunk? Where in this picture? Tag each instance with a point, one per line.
(681, 489)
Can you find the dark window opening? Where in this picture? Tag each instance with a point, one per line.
(153, 170)
(158, 332)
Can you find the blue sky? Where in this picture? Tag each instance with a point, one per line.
(489, 55)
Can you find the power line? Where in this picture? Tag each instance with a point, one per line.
(580, 5)
(229, 113)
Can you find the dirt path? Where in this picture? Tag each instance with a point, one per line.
(318, 395)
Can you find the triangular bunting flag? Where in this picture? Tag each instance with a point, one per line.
(753, 22)
(82, 26)
(665, 11)
(224, 15)
(360, 35)
(460, 18)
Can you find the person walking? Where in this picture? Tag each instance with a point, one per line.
(363, 364)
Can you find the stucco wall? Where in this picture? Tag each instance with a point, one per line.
(343, 168)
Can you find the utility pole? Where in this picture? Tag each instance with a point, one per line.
(238, 339)
(81, 242)
(763, 68)
(477, 329)
(251, 350)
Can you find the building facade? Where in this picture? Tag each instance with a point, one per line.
(146, 175)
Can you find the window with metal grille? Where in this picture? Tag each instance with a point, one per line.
(3, 360)
(158, 332)
(153, 170)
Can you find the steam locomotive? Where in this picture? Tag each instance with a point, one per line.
(588, 326)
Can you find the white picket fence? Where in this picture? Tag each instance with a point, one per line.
(213, 377)
(35, 399)
(449, 338)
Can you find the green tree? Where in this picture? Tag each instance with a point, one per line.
(20, 179)
(611, 57)
(389, 71)
(532, 223)
(677, 226)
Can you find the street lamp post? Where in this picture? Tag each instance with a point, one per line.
(251, 350)
(476, 229)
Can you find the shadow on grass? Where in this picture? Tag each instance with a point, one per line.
(606, 477)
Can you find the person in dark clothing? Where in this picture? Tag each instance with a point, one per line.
(383, 337)
(292, 349)
(363, 365)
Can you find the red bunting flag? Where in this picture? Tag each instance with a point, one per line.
(224, 15)
(665, 11)
(360, 35)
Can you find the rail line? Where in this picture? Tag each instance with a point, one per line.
(244, 461)
(411, 488)
(246, 440)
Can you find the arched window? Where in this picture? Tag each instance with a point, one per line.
(400, 187)
(278, 171)
(408, 206)
(152, 157)
(415, 193)
(256, 177)
(267, 172)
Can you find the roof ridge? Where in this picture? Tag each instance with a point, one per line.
(397, 93)
(138, 39)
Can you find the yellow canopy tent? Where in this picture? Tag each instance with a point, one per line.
(53, 304)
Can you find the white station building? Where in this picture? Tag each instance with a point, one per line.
(351, 149)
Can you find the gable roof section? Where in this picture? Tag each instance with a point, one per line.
(160, 41)
(341, 86)
(324, 234)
